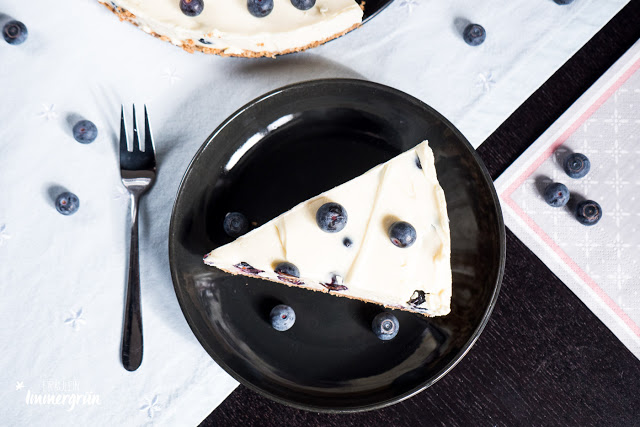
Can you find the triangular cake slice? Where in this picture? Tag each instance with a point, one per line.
(363, 260)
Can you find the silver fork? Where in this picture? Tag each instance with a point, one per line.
(138, 172)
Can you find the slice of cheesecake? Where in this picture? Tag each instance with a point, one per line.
(382, 237)
(226, 27)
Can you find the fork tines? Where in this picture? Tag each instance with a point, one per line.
(136, 158)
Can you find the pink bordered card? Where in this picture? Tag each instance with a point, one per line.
(599, 263)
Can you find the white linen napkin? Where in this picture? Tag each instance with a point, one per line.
(599, 263)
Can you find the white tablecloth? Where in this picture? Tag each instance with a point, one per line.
(63, 277)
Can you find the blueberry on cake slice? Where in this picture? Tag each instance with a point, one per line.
(382, 237)
(248, 28)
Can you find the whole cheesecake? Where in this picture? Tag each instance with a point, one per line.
(226, 27)
(382, 237)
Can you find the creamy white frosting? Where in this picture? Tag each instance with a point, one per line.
(372, 268)
(227, 24)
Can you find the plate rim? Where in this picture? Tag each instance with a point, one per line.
(182, 298)
(374, 14)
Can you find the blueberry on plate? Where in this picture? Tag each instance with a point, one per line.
(67, 203)
(282, 317)
(191, 7)
(260, 8)
(235, 224)
(556, 194)
(402, 234)
(347, 242)
(562, 2)
(15, 32)
(287, 269)
(331, 217)
(303, 4)
(474, 34)
(85, 132)
(577, 165)
(588, 212)
(385, 326)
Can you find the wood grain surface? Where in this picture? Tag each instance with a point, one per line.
(544, 359)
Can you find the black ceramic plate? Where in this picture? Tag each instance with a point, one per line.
(279, 150)
(373, 7)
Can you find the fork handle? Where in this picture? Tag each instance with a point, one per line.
(131, 353)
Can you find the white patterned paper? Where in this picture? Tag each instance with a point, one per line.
(600, 263)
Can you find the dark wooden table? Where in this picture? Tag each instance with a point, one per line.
(544, 359)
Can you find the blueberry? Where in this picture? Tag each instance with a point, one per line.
(15, 32)
(287, 269)
(248, 268)
(85, 132)
(235, 224)
(191, 7)
(556, 194)
(417, 298)
(347, 242)
(588, 212)
(282, 317)
(402, 234)
(331, 217)
(303, 4)
(577, 165)
(67, 203)
(474, 34)
(385, 326)
(260, 8)
(336, 283)
(562, 2)
(418, 163)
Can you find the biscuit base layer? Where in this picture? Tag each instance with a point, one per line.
(325, 291)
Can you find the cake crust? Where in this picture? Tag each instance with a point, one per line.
(324, 291)
(191, 46)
